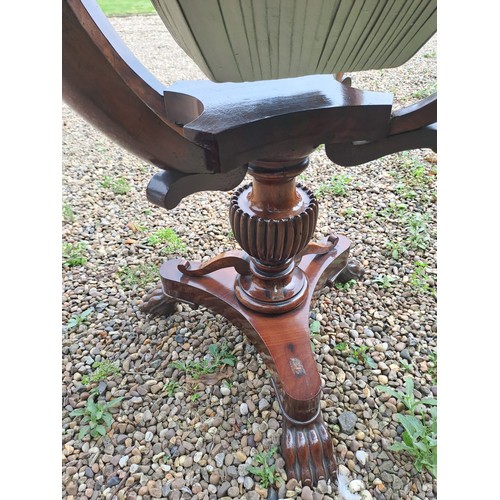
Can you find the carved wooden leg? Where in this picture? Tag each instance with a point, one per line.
(156, 302)
(283, 340)
(308, 450)
(352, 271)
(159, 303)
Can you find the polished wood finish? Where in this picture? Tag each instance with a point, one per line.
(283, 340)
(413, 117)
(283, 119)
(125, 101)
(207, 136)
(234, 258)
(409, 128)
(273, 220)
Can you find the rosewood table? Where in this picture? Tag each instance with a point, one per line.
(207, 136)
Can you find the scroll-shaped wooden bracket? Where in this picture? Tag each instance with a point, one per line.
(167, 188)
(412, 127)
(318, 248)
(233, 258)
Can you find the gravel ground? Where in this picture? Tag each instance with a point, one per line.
(172, 436)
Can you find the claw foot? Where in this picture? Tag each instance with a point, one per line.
(308, 451)
(352, 271)
(157, 302)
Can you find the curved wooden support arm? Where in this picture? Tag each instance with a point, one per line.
(351, 154)
(412, 127)
(416, 116)
(111, 89)
(167, 188)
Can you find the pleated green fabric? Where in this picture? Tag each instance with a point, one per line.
(248, 40)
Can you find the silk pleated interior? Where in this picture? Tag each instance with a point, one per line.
(248, 40)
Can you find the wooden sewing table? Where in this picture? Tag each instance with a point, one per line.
(206, 136)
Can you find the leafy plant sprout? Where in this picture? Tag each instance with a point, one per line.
(96, 417)
(418, 235)
(80, 318)
(74, 254)
(336, 186)
(419, 438)
(118, 186)
(140, 275)
(68, 213)
(349, 212)
(384, 281)
(264, 469)
(171, 388)
(358, 356)
(314, 329)
(407, 367)
(433, 367)
(195, 397)
(345, 286)
(217, 357)
(167, 237)
(419, 277)
(407, 397)
(102, 370)
(396, 249)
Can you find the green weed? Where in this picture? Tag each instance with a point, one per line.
(102, 370)
(426, 91)
(96, 417)
(74, 254)
(314, 329)
(398, 210)
(419, 438)
(358, 355)
(341, 346)
(80, 318)
(407, 397)
(167, 237)
(141, 275)
(406, 191)
(396, 249)
(419, 277)
(171, 387)
(218, 356)
(407, 367)
(264, 470)
(118, 186)
(432, 364)
(418, 234)
(384, 280)
(345, 286)
(336, 186)
(68, 213)
(349, 212)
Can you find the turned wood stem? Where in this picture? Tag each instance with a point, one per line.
(273, 220)
(274, 192)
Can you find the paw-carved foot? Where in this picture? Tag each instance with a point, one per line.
(352, 271)
(157, 302)
(308, 451)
